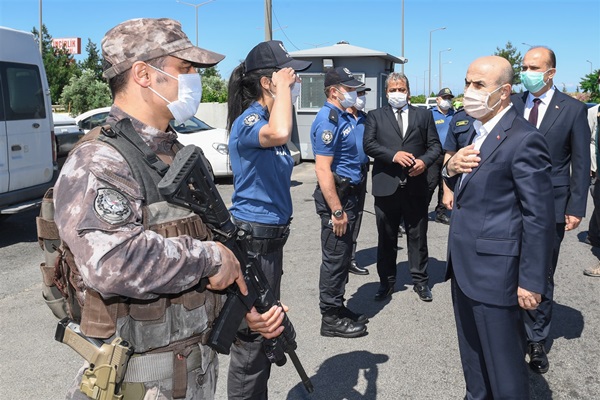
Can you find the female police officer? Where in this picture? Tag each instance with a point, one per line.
(260, 124)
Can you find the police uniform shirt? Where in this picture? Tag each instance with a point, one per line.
(457, 136)
(261, 175)
(442, 122)
(359, 132)
(337, 140)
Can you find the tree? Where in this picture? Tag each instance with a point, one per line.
(59, 64)
(93, 61)
(84, 93)
(589, 84)
(214, 88)
(514, 58)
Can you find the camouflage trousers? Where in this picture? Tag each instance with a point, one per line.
(201, 384)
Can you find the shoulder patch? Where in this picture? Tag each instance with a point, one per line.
(333, 116)
(327, 136)
(463, 122)
(112, 206)
(251, 119)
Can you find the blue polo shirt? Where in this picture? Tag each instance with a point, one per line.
(442, 122)
(359, 132)
(458, 131)
(338, 140)
(261, 176)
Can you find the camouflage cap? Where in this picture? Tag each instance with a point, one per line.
(144, 39)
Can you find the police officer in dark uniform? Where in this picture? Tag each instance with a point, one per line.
(456, 138)
(338, 169)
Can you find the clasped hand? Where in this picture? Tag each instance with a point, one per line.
(463, 161)
(415, 166)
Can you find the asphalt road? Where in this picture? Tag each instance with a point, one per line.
(411, 349)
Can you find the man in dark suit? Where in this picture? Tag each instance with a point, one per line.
(563, 122)
(500, 239)
(404, 143)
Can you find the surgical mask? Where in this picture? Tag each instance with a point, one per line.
(397, 99)
(360, 102)
(533, 80)
(445, 104)
(188, 97)
(349, 99)
(296, 92)
(475, 102)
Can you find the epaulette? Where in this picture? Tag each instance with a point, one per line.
(333, 116)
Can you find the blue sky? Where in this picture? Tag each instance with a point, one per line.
(474, 28)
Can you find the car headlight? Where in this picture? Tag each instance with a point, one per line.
(221, 148)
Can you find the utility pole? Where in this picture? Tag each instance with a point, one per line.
(402, 65)
(268, 21)
(40, 33)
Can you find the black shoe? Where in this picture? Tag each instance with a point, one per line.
(423, 291)
(538, 360)
(336, 326)
(356, 269)
(591, 242)
(384, 292)
(345, 312)
(442, 218)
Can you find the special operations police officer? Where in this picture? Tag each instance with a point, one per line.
(261, 93)
(338, 169)
(137, 260)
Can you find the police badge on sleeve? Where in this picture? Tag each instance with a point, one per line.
(251, 119)
(327, 136)
(112, 206)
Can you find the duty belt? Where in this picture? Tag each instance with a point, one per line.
(265, 238)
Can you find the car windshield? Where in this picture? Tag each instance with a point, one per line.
(190, 126)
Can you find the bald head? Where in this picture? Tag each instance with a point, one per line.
(497, 70)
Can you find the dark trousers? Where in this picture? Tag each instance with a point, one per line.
(537, 322)
(360, 195)
(335, 253)
(435, 180)
(249, 367)
(491, 342)
(389, 213)
(594, 227)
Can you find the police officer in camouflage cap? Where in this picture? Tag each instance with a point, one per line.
(138, 260)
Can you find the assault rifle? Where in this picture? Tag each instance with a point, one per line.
(188, 184)
(108, 361)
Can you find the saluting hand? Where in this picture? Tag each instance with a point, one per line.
(463, 161)
(284, 78)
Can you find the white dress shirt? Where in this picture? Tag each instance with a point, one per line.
(542, 107)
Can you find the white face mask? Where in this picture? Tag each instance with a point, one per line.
(349, 99)
(296, 92)
(475, 102)
(445, 104)
(397, 99)
(360, 102)
(188, 97)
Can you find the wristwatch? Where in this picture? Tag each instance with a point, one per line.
(338, 213)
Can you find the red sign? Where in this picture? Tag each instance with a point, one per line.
(72, 45)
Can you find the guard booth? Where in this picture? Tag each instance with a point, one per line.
(369, 66)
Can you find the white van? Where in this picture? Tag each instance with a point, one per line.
(27, 144)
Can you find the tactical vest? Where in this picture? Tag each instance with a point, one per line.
(145, 324)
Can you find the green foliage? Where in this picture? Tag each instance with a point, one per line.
(84, 93)
(514, 58)
(93, 62)
(589, 84)
(417, 99)
(214, 89)
(59, 64)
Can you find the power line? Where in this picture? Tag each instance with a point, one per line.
(284, 34)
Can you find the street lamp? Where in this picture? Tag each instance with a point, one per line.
(424, 88)
(591, 69)
(430, 32)
(526, 44)
(196, 6)
(440, 62)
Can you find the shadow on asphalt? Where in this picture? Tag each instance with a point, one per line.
(18, 228)
(567, 323)
(331, 385)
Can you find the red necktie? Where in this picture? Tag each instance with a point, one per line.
(533, 114)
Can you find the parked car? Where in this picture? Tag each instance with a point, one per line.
(67, 133)
(431, 102)
(27, 158)
(212, 141)
(419, 105)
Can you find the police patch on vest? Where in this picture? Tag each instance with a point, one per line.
(327, 137)
(463, 122)
(251, 119)
(112, 206)
(346, 131)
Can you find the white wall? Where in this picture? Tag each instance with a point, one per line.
(214, 114)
